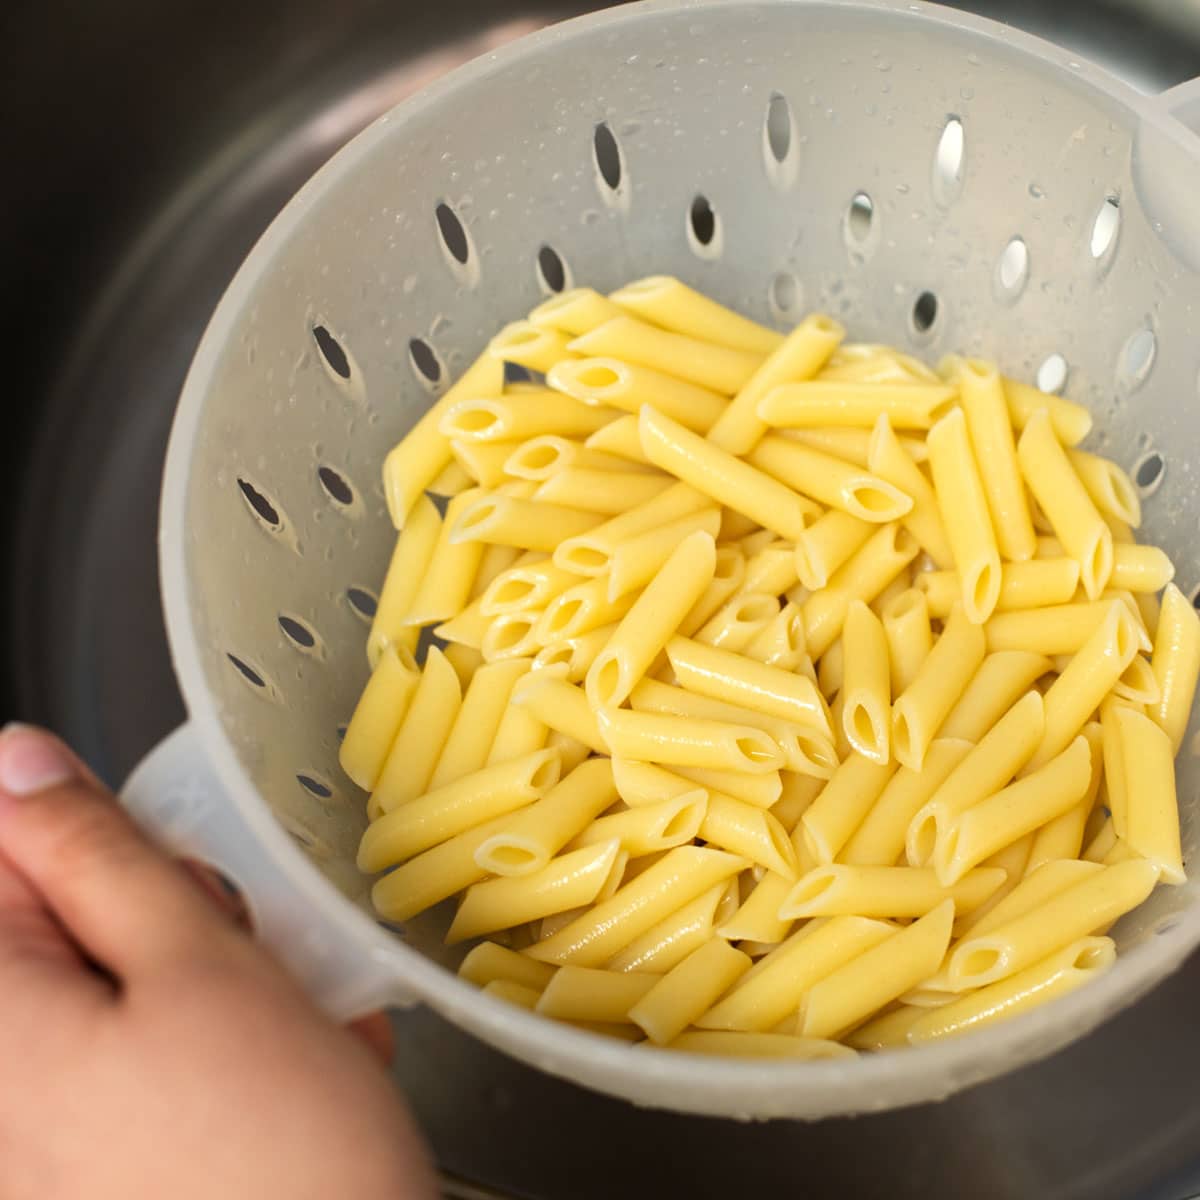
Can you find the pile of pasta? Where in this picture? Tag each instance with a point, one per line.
(786, 697)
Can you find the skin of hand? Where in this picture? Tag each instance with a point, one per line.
(148, 1046)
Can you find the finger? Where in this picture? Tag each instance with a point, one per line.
(128, 906)
(226, 898)
(376, 1030)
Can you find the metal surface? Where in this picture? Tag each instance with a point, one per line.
(1116, 1115)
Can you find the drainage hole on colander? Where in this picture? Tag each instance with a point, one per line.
(1194, 597)
(948, 162)
(454, 236)
(331, 351)
(784, 296)
(336, 486)
(1137, 359)
(426, 365)
(551, 270)
(924, 312)
(250, 674)
(298, 632)
(363, 603)
(1052, 375)
(703, 228)
(779, 127)
(1105, 228)
(1012, 270)
(608, 156)
(314, 785)
(340, 732)
(259, 505)
(860, 216)
(1148, 472)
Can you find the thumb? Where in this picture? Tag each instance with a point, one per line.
(128, 906)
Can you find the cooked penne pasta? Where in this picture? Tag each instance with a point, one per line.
(409, 562)
(1071, 422)
(580, 609)
(512, 521)
(909, 637)
(561, 706)
(667, 943)
(781, 642)
(867, 715)
(1151, 821)
(651, 827)
(688, 990)
(1111, 490)
(838, 890)
(826, 544)
(757, 917)
(818, 403)
(516, 417)
(1140, 569)
(1031, 585)
(838, 811)
(606, 492)
(760, 1045)
(450, 572)
(577, 993)
(575, 654)
(686, 741)
(487, 962)
(378, 716)
(741, 828)
(637, 560)
(574, 311)
(621, 439)
(1176, 663)
(1062, 838)
(541, 458)
(1001, 680)
(529, 346)
(771, 569)
(888, 457)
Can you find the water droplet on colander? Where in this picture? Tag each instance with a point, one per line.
(883, 64)
(902, 188)
(1035, 191)
(967, 93)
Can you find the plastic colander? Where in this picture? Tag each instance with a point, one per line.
(933, 180)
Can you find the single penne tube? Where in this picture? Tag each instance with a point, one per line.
(1111, 490)
(1039, 585)
(512, 993)
(760, 791)
(450, 572)
(1140, 568)
(1071, 422)
(757, 917)
(741, 828)
(737, 679)
(1002, 678)
(672, 939)
(771, 568)
(837, 890)
(529, 346)
(879, 839)
(452, 480)
(1062, 838)
(1113, 755)
(378, 716)
(739, 621)
(574, 311)
(781, 642)
(520, 733)
(1019, 809)
(591, 553)
(640, 784)
(493, 563)
(878, 361)
(983, 771)
(759, 1045)
(437, 815)
(847, 996)
(798, 356)
(1091, 904)
(527, 840)
(722, 477)
(689, 989)
(608, 927)
(516, 417)
(1151, 809)
(1043, 884)
(838, 811)
(962, 503)
(861, 577)
(829, 481)
(590, 994)
(525, 585)
(1176, 663)
(429, 878)
(651, 622)
(889, 460)
(816, 403)
(568, 881)
(418, 743)
(703, 363)
(606, 492)
(687, 741)
(511, 635)
(886, 1032)
(651, 827)
(637, 560)
(422, 454)
(489, 963)
(727, 579)
(526, 524)
(1097, 849)
(541, 458)
(579, 609)
(866, 716)
(627, 386)
(1086, 680)
(1057, 975)
(575, 654)
(990, 429)
(665, 301)
(561, 706)
(1062, 497)
(466, 629)
(920, 710)
(571, 752)
(409, 562)
(908, 635)
(854, 445)
(898, 586)
(804, 749)
(621, 439)
(478, 718)
(773, 988)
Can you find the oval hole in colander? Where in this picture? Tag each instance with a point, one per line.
(1105, 227)
(332, 353)
(1052, 374)
(1137, 359)
(260, 504)
(552, 272)
(608, 156)
(948, 162)
(336, 486)
(426, 364)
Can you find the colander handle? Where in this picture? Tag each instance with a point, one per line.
(176, 797)
(1183, 103)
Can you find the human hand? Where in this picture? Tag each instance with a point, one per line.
(148, 1046)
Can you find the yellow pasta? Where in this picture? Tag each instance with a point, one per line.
(757, 918)
(561, 706)
(1000, 681)
(688, 990)
(854, 445)
(527, 345)
(1040, 885)
(1151, 820)
(739, 621)
(1028, 585)
(962, 503)
(651, 622)
(580, 609)
(839, 810)
(542, 457)
(575, 654)
(599, 491)
(487, 962)
(867, 715)
(1140, 569)
(1111, 490)
(512, 993)
(409, 563)
(637, 560)
(1071, 422)
(579, 993)
(820, 403)
(667, 943)
(450, 572)
(515, 417)
(1176, 663)
(826, 544)
(621, 439)
(772, 569)
(781, 642)
(378, 716)
(760, 1045)
(741, 828)
(1062, 838)
(908, 635)
(686, 741)
(512, 521)
(574, 311)
(1063, 498)
(838, 890)
(649, 828)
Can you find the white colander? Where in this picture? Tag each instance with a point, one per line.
(933, 180)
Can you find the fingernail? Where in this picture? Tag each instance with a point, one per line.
(32, 760)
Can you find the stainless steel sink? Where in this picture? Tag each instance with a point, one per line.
(150, 145)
